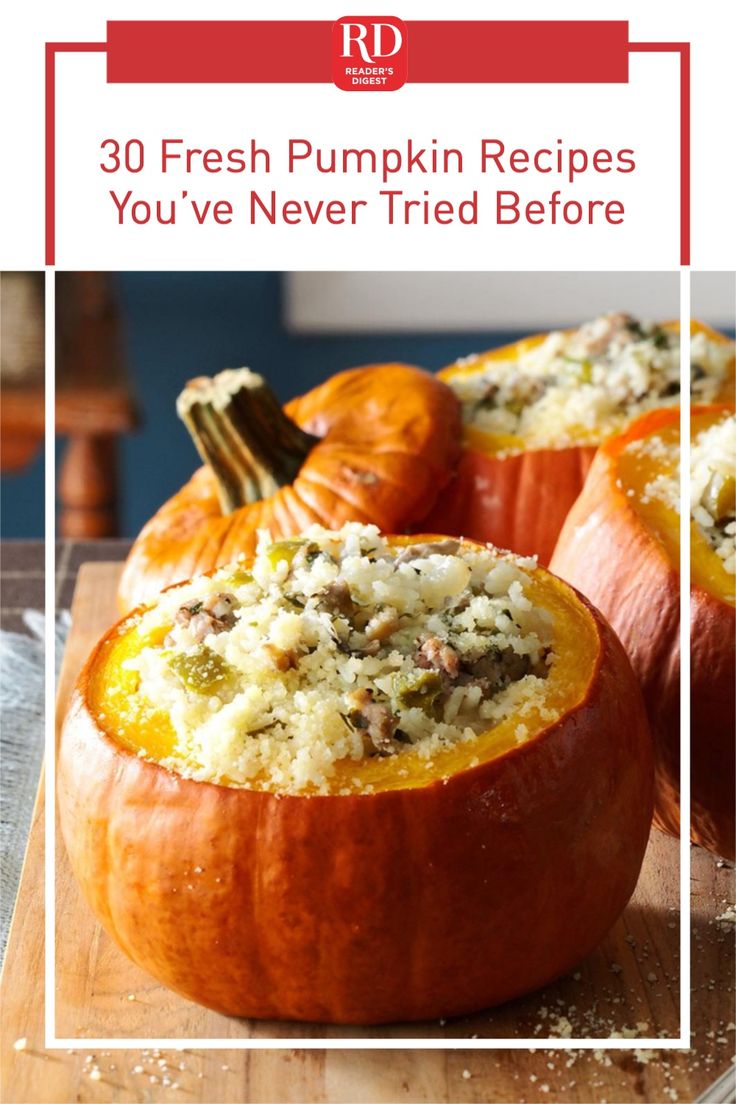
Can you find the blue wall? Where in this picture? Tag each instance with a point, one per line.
(21, 501)
(179, 325)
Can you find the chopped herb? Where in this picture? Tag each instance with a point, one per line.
(635, 327)
(260, 731)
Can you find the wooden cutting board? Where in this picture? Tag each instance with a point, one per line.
(629, 984)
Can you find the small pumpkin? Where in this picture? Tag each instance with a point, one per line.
(620, 545)
(373, 444)
(480, 875)
(516, 495)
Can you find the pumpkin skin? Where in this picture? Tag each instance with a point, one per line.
(404, 904)
(519, 501)
(606, 550)
(389, 440)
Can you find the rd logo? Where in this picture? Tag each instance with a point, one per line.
(369, 53)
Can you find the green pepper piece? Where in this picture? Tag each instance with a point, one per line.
(585, 374)
(283, 550)
(202, 670)
(238, 577)
(582, 368)
(719, 497)
(417, 691)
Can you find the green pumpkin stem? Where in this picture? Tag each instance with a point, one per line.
(242, 433)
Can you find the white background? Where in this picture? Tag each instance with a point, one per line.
(643, 114)
(432, 302)
(456, 115)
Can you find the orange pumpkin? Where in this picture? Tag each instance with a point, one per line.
(621, 548)
(476, 877)
(510, 495)
(373, 444)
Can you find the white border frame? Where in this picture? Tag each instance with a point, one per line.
(685, 855)
(683, 1041)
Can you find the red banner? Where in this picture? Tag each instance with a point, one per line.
(234, 52)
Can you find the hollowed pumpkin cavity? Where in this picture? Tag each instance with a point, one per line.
(127, 717)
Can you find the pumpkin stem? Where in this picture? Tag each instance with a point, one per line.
(242, 433)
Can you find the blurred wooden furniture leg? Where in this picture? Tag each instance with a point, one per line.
(21, 426)
(21, 368)
(88, 487)
(95, 405)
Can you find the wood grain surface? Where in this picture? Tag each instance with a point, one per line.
(628, 986)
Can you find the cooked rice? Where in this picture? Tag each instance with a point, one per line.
(340, 647)
(588, 384)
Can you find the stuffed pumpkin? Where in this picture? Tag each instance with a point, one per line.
(357, 779)
(534, 414)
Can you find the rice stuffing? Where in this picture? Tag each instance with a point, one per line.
(712, 483)
(587, 384)
(337, 646)
(713, 488)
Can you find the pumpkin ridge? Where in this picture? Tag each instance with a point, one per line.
(331, 505)
(351, 489)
